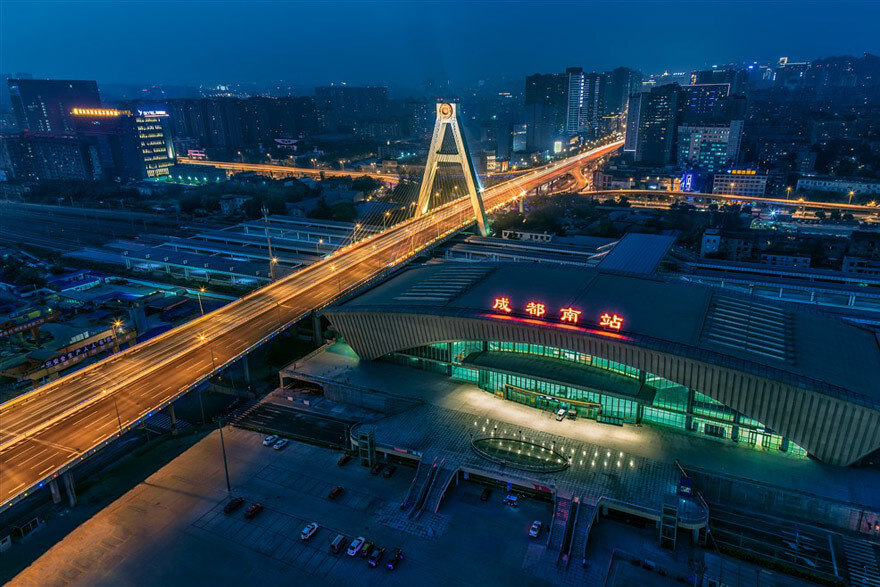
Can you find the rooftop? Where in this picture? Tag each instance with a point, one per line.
(677, 316)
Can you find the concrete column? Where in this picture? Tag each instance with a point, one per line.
(56, 491)
(68, 483)
(522, 204)
(173, 417)
(317, 335)
(696, 535)
(246, 369)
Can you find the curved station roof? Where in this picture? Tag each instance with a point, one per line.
(807, 375)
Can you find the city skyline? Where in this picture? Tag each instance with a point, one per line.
(408, 44)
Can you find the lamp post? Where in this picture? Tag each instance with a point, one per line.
(199, 293)
(788, 192)
(320, 242)
(116, 324)
(851, 194)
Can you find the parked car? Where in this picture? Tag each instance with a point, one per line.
(343, 460)
(535, 530)
(395, 560)
(389, 471)
(270, 440)
(560, 415)
(309, 531)
(338, 543)
(253, 510)
(356, 545)
(233, 505)
(377, 468)
(281, 444)
(487, 493)
(367, 549)
(335, 492)
(376, 557)
(512, 501)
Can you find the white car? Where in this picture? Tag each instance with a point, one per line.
(356, 545)
(535, 530)
(281, 444)
(309, 531)
(270, 440)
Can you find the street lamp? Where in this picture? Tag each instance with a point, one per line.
(788, 192)
(199, 293)
(116, 324)
(320, 242)
(851, 193)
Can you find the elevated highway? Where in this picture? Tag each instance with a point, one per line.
(51, 429)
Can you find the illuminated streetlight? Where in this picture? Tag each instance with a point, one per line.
(199, 293)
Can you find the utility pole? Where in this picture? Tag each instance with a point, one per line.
(272, 259)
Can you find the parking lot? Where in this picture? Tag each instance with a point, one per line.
(171, 529)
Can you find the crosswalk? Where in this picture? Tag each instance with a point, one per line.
(862, 562)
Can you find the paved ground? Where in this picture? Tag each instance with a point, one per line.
(170, 529)
(857, 485)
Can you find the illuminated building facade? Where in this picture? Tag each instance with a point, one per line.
(131, 145)
(740, 182)
(629, 350)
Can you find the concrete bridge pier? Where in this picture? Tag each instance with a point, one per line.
(317, 334)
(68, 484)
(56, 491)
(246, 370)
(173, 417)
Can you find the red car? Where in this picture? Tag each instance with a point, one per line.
(253, 510)
(343, 460)
(335, 492)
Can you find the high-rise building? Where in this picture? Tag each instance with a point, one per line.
(789, 74)
(41, 157)
(652, 124)
(622, 82)
(130, 146)
(343, 105)
(575, 121)
(708, 148)
(43, 105)
(698, 103)
(546, 109)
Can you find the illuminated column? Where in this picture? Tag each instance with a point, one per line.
(246, 369)
(447, 122)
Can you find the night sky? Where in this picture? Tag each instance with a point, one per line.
(405, 43)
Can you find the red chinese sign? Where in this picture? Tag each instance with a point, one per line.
(570, 314)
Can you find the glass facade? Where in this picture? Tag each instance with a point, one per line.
(673, 405)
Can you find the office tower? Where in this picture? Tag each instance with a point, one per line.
(708, 148)
(546, 108)
(698, 103)
(43, 105)
(622, 82)
(130, 146)
(574, 117)
(652, 130)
